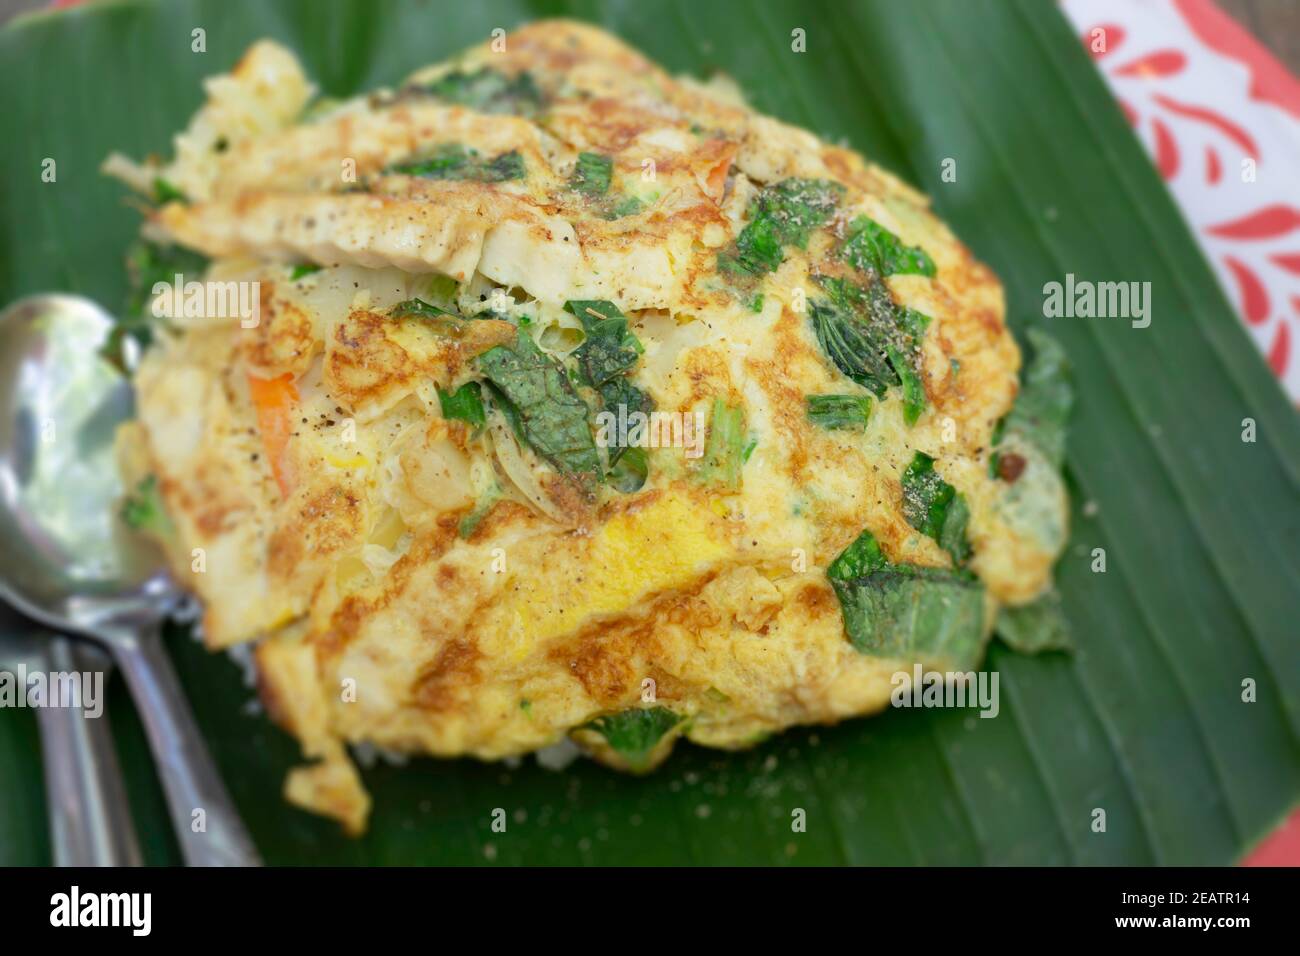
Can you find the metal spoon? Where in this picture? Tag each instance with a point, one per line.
(90, 819)
(70, 564)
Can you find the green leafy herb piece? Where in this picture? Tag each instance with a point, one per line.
(905, 611)
(872, 340)
(592, 174)
(1035, 627)
(604, 360)
(610, 349)
(143, 509)
(620, 392)
(417, 308)
(440, 289)
(952, 535)
(453, 161)
(628, 206)
(443, 322)
(470, 522)
(164, 192)
(489, 91)
(634, 734)
(465, 404)
(504, 167)
(798, 206)
(147, 264)
(542, 406)
(1046, 397)
(839, 411)
(784, 214)
(629, 469)
(852, 328)
(725, 447)
(905, 357)
(870, 247)
(756, 303)
(303, 269)
(933, 507)
(449, 161)
(994, 439)
(756, 251)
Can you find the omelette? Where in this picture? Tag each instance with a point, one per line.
(548, 396)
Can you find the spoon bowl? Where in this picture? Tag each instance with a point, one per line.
(61, 404)
(73, 565)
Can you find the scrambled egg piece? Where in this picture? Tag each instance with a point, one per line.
(373, 479)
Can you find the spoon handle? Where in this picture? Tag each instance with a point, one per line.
(207, 825)
(90, 819)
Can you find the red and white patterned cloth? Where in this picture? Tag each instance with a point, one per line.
(1221, 119)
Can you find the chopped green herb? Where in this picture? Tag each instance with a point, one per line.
(148, 264)
(536, 396)
(870, 247)
(629, 469)
(871, 340)
(952, 536)
(440, 289)
(489, 91)
(839, 411)
(905, 358)
(465, 404)
(756, 251)
(784, 214)
(303, 269)
(628, 206)
(418, 308)
(453, 161)
(143, 509)
(604, 361)
(610, 349)
(504, 167)
(756, 303)
(933, 507)
(852, 328)
(1029, 449)
(1046, 397)
(526, 706)
(725, 448)
(164, 192)
(905, 611)
(798, 206)
(470, 522)
(592, 174)
(634, 734)
(1035, 627)
(998, 428)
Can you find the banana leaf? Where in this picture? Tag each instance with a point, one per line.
(1200, 592)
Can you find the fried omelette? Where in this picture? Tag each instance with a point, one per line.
(575, 400)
